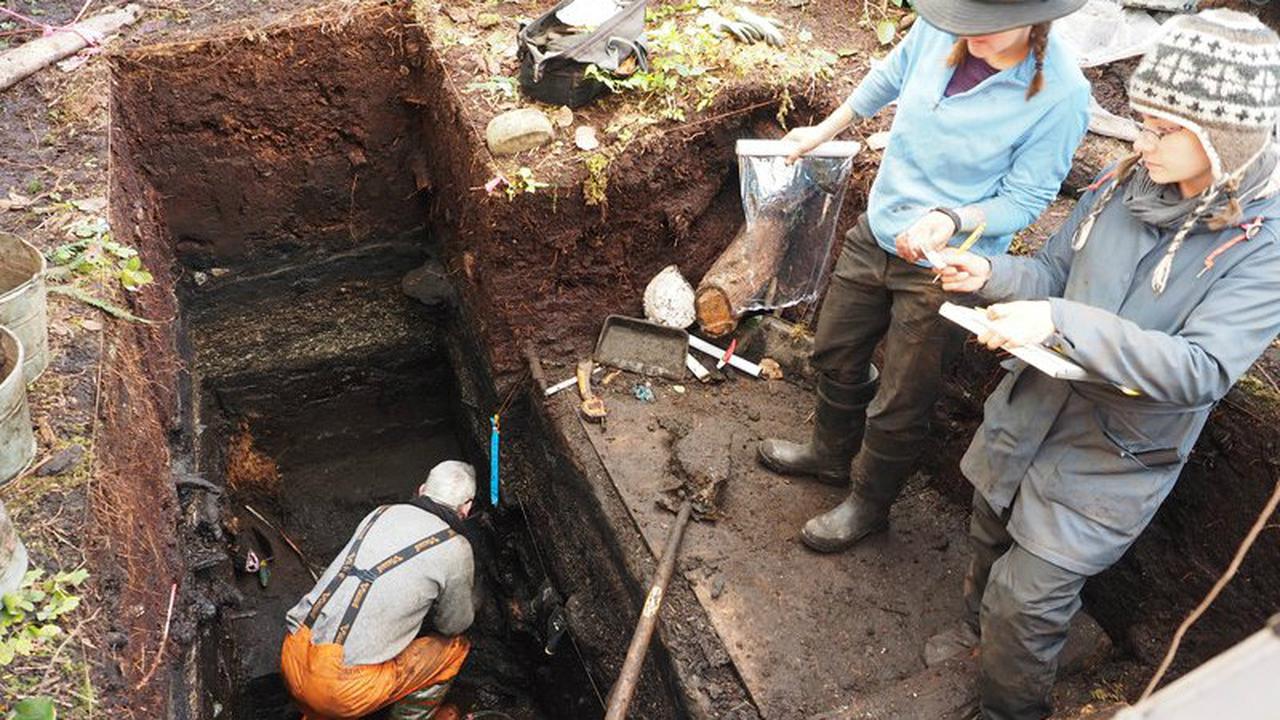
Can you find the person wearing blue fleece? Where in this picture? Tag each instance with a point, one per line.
(990, 110)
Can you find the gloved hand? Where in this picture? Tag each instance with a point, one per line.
(763, 26)
(964, 271)
(1015, 324)
(805, 138)
(749, 28)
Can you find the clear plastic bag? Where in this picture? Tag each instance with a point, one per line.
(778, 257)
(802, 201)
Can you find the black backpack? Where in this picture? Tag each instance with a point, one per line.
(554, 57)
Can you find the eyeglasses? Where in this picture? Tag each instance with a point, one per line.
(1155, 135)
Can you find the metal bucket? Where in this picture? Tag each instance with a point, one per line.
(13, 556)
(22, 300)
(17, 441)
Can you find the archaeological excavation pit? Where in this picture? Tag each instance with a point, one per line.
(351, 307)
(311, 227)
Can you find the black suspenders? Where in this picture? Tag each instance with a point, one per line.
(367, 576)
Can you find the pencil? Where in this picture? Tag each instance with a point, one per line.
(968, 243)
(973, 237)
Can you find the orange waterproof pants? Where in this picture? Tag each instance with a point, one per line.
(325, 688)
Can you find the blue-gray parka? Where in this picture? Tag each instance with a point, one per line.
(1089, 464)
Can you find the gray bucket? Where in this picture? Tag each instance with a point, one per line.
(13, 556)
(17, 441)
(22, 300)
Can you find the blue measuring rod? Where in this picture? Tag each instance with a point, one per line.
(494, 434)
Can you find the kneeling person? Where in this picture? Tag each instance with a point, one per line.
(353, 645)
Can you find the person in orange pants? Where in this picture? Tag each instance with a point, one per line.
(353, 648)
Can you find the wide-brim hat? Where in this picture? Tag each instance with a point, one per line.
(983, 17)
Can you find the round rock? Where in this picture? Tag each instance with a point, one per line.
(518, 130)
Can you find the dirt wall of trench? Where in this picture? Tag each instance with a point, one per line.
(284, 142)
(135, 508)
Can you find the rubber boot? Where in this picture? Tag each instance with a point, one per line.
(838, 423)
(877, 481)
(423, 704)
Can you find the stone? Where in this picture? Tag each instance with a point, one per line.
(62, 461)
(717, 587)
(515, 131)
(957, 641)
(585, 138)
(669, 299)
(770, 370)
(1087, 646)
(488, 20)
(428, 284)
(116, 640)
(562, 117)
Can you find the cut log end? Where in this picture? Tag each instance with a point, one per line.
(715, 312)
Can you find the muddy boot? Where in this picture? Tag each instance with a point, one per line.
(837, 433)
(876, 484)
(424, 704)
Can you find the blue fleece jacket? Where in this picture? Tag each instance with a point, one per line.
(990, 146)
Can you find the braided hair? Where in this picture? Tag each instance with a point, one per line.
(1038, 43)
(1229, 215)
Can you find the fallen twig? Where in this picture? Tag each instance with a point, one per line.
(164, 638)
(723, 115)
(287, 541)
(1213, 593)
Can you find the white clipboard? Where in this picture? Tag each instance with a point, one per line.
(1038, 356)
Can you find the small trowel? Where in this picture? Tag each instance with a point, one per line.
(592, 407)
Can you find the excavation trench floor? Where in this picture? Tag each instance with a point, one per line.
(806, 632)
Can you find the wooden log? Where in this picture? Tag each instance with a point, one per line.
(741, 272)
(29, 57)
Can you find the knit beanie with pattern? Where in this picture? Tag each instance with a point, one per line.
(1217, 73)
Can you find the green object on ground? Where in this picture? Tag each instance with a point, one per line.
(36, 708)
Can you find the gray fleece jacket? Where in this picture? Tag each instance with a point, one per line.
(439, 579)
(1090, 465)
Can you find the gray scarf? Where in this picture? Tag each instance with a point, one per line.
(1164, 207)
